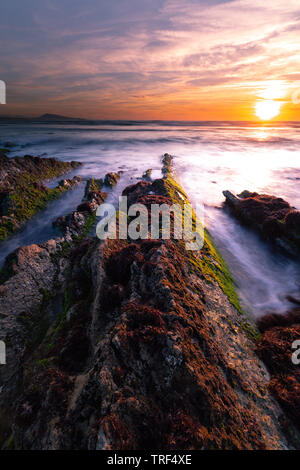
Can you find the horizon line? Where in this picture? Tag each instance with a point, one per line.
(53, 117)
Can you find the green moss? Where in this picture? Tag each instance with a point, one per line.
(111, 179)
(63, 314)
(89, 223)
(43, 363)
(208, 262)
(65, 247)
(28, 197)
(10, 443)
(214, 265)
(169, 187)
(95, 185)
(26, 202)
(250, 329)
(147, 174)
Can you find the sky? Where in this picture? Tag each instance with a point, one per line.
(151, 59)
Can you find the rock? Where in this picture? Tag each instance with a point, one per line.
(142, 188)
(273, 320)
(93, 186)
(87, 207)
(274, 219)
(70, 183)
(292, 221)
(3, 158)
(147, 174)
(81, 220)
(231, 199)
(149, 352)
(50, 246)
(111, 179)
(9, 221)
(293, 299)
(60, 222)
(167, 164)
(124, 345)
(30, 273)
(275, 348)
(64, 183)
(33, 279)
(22, 192)
(72, 224)
(40, 187)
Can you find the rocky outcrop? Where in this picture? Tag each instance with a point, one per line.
(276, 221)
(275, 348)
(111, 179)
(147, 350)
(34, 297)
(147, 174)
(167, 165)
(22, 192)
(30, 277)
(78, 223)
(271, 216)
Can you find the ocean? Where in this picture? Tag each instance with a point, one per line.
(209, 157)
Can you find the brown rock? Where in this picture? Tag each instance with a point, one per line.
(271, 216)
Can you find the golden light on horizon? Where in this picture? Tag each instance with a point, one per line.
(267, 109)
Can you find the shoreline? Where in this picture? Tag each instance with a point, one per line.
(116, 310)
(22, 192)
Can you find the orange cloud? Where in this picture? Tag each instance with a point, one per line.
(159, 60)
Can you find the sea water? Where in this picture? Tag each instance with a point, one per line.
(209, 158)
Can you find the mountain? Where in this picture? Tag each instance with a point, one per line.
(57, 117)
(44, 117)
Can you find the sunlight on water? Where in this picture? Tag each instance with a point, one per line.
(208, 158)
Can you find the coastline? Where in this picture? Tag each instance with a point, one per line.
(143, 339)
(22, 189)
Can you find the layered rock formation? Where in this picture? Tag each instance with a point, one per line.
(277, 222)
(271, 216)
(32, 294)
(22, 192)
(132, 345)
(279, 332)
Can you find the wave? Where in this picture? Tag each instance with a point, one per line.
(130, 123)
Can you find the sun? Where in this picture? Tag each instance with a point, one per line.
(267, 109)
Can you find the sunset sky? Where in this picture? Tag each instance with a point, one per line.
(151, 59)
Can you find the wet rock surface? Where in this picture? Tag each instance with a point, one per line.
(271, 216)
(277, 222)
(111, 179)
(145, 348)
(81, 221)
(22, 192)
(34, 301)
(279, 332)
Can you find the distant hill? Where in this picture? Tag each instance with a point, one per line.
(44, 118)
(57, 117)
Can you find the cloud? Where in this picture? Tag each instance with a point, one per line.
(223, 55)
(131, 53)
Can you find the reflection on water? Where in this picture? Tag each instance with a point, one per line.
(210, 157)
(263, 278)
